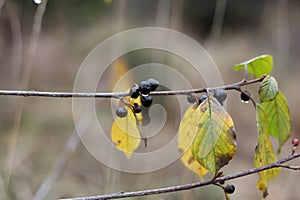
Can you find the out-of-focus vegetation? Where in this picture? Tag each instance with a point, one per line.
(71, 29)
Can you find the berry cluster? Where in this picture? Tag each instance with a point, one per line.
(219, 94)
(141, 90)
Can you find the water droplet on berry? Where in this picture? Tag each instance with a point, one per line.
(37, 1)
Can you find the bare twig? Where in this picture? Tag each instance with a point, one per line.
(1, 4)
(290, 167)
(58, 167)
(189, 186)
(62, 160)
(123, 94)
(217, 22)
(24, 83)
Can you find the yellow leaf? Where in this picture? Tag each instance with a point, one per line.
(264, 153)
(215, 141)
(132, 101)
(186, 136)
(107, 1)
(117, 70)
(192, 164)
(187, 130)
(125, 133)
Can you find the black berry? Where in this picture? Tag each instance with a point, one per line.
(245, 96)
(145, 87)
(229, 189)
(154, 83)
(134, 92)
(202, 98)
(191, 99)
(220, 95)
(146, 101)
(121, 112)
(137, 108)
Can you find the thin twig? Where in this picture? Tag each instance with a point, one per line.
(62, 160)
(58, 167)
(36, 28)
(1, 4)
(122, 94)
(290, 167)
(217, 22)
(193, 185)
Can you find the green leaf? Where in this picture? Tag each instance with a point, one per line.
(264, 153)
(214, 145)
(257, 66)
(268, 89)
(186, 135)
(278, 118)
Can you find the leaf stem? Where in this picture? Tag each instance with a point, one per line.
(245, 72)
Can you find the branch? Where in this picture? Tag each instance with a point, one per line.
(189, 186)
(290, 167)
(122, 94)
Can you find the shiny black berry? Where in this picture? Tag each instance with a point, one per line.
(245, 97)
(121, 112)
(202, 98)
(154, 83)
(146, 101)
(137, 108)
(191, 98)
(145, 87)
(220, 95)
(229, 189)
(134, 92)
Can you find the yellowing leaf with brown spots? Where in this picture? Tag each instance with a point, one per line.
(187, 129)
(125, 133)
(215, 140)
(186, 136)
(192, 164)
(264, 152)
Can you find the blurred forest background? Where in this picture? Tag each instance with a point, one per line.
(40, 158)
